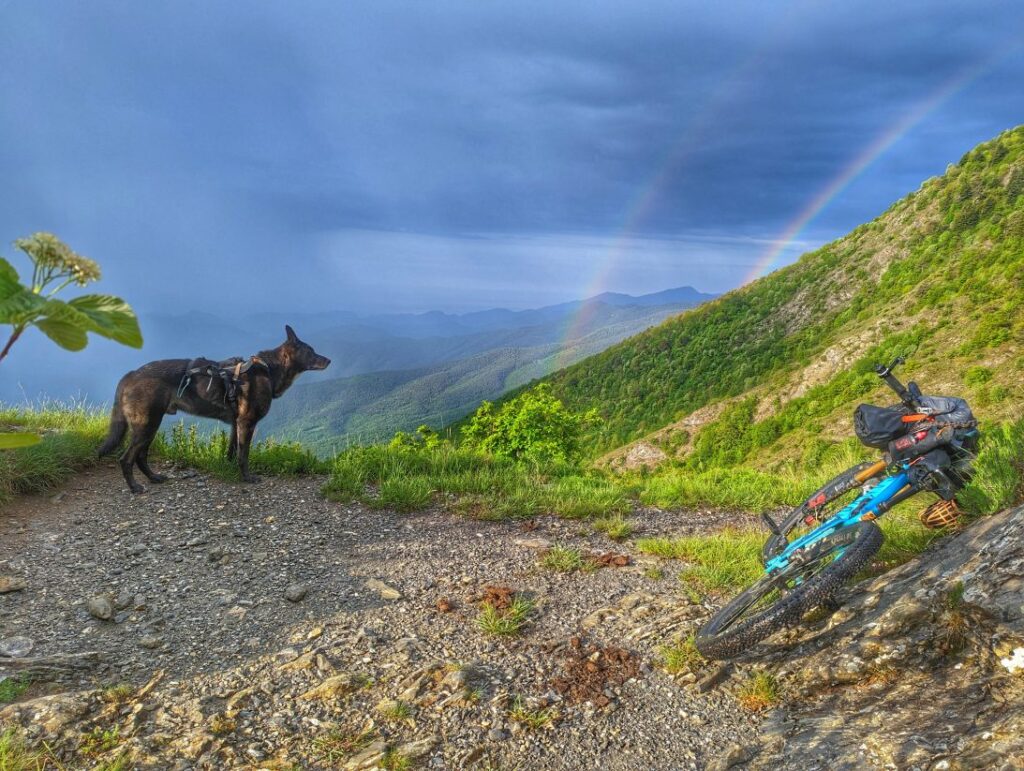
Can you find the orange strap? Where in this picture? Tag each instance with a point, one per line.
(916, 418)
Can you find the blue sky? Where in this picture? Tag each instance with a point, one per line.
(379, 156)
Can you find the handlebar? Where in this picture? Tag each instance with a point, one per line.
(908, 397)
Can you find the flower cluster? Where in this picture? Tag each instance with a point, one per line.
(56, 259)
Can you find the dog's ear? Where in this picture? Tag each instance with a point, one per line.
(292, 337)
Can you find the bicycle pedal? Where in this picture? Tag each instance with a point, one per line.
(770, 523)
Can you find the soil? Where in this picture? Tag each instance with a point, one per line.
(243, 600)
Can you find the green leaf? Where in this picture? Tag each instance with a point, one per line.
(9, 283)
(16, 441)
(20, 306)
(67, 335)
(110, 317)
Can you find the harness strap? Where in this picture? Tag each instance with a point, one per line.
(229, 377)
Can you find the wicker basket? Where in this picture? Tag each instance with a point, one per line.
(940, 514)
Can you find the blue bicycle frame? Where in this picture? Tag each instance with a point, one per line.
(870, 505)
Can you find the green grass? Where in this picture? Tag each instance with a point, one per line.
(616, 527)
(729, 559)
(16, 755)
(71, 433)
(99, 740)
(394, 760)
(395, 710)
(759, 692)
(564, 560)
(336, 745)
(506, 622)
(680, 656)
(531, 718)
(998, 470)
(469, 482)
(117, 694)
(187, 446)
(13, 687)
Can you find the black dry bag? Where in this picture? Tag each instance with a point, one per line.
(877, 426)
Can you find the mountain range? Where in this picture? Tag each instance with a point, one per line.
(389, 372)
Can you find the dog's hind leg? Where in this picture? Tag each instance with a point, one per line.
(233, 444)
(142, 461)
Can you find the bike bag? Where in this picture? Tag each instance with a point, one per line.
(877, 426)
(920, 441)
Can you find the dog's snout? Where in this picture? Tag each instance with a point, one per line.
(324, 362)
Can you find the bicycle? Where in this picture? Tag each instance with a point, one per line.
(929, 445)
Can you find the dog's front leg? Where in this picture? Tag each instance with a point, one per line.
(233, 444)
(245, 429)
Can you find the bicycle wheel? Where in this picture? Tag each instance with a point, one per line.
(779, 599)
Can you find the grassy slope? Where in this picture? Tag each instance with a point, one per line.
(939, 276)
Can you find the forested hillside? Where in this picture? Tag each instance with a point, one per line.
(938, 277)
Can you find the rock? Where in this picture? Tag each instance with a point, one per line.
(15, 647)
(100, 607)
(151, 641)
(497, 734)
(533, 543)
(332, 688)
(296, 592)
(11, 584)
(472, 756)
(386, 592)
(713, 678)
(734, 756)
(419, 748)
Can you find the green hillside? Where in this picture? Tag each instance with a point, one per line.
(939, 277)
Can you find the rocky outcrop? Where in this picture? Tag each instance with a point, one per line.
(922, 668)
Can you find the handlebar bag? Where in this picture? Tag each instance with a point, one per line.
(877, 426)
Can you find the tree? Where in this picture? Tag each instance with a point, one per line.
(54, 268)
(534, 426)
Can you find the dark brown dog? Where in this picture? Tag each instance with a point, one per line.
(145, 395)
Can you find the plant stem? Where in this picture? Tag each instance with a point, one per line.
(16, 334)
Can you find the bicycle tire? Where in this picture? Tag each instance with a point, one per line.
(724, 636)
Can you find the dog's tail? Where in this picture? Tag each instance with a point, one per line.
(118, 427)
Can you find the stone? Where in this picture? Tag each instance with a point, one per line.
(151, 641)
(713, 678)
(100, 607)
(296, 592)
(386, 592)
(11, 584)
(497, 734)
(533, 543)
(15, 647)
(332, 688)
(734, 756)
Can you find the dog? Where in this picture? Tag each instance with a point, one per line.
(241, 398)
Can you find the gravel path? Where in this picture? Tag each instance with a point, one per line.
(250, 598)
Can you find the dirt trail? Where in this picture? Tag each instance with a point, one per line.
(250, 598)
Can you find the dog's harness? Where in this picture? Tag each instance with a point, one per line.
(229, 371)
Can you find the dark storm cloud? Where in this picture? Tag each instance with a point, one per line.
(351, 155)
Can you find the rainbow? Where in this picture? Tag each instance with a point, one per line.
(770, 258)
(642, 204)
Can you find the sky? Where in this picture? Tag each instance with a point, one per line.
(457, 155)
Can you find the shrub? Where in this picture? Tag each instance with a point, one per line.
(534, 426)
